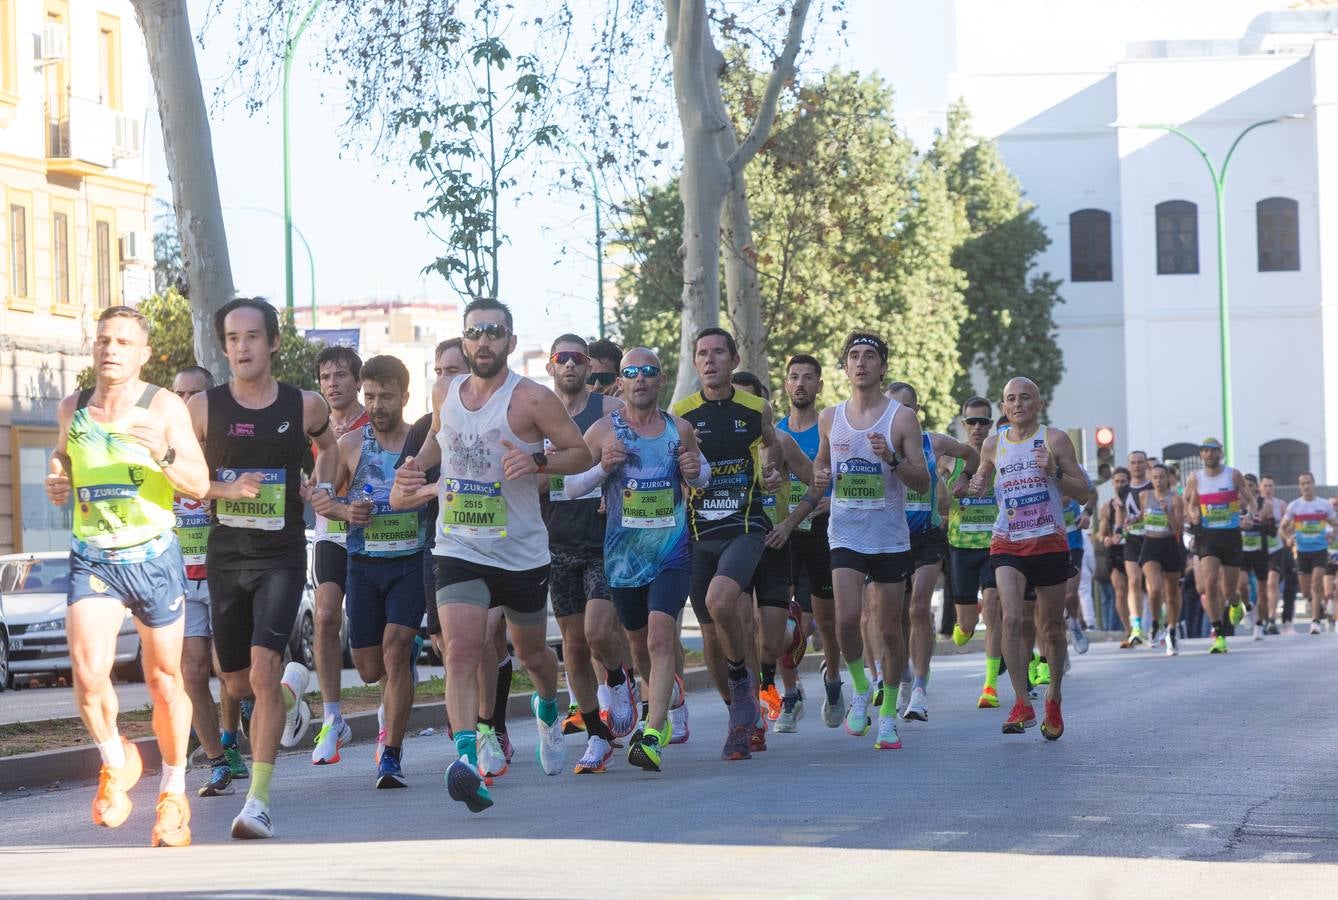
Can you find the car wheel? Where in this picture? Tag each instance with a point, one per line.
(305, 648)
(4, 661)
(133, 670)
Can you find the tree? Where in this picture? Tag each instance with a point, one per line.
(190, 167)
(169, 271)
(1010, 328)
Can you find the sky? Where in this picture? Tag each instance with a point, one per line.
(356, 210)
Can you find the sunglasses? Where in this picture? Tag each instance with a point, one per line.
(603, 379)
(491, 330)
(631, 372)
(562, 357)
(978, 420)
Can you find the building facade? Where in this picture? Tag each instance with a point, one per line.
(75, 233)
(1067, 88)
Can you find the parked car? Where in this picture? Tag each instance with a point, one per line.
(5, 675)
(301, 646)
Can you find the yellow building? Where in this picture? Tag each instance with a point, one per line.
(75, 232)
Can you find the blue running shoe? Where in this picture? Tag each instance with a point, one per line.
(220, 779)
(465, 785)
(388, 774)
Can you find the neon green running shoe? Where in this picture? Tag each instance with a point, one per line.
(1236, 612)
(1042, 673)
(645, 753)
(1219, 645)
(960, 637)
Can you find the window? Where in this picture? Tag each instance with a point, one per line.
(104, 264)
(1177, 238)
(64, 283)
(1279, 239)
(1089, 245)
(37, 524)
(57, 87)
(109, 60)
(18, 251)
(1285, 459)
(9, 52)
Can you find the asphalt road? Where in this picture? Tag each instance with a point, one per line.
(1177, 776)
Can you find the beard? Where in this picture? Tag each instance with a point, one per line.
(489, 369)
(570, 389)
(805, 403)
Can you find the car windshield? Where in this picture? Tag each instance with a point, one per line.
(35, 576)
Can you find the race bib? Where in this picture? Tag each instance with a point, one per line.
(1156, 523)
(192, 530)
(859, 485)
(724, 496)
(263, 512)
(105, 509)
(1030, 516)
(978, 515)
(557, 490)
(917, 502)
(771, 508)
(1220, 511)
(391, 530)
(798, 491)
(1251, 541)
(474, 509)
(648, 503)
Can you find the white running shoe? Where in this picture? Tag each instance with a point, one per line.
(297, 719)
(552, 750)
(253, 821)
(1258, 631)
(380, 736)
(857, 719)
(1315, 627)
(678, 718)
(887, 734)
(333, 735)
(917, 707)
(604, 694)
(1172, 644)
(597, 752)
(492, 758)
(1080, 642)
(622, 709)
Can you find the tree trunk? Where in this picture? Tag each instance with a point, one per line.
(190, 167)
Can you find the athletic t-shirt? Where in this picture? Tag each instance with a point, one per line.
(730, 436)
(1309, 519)
(1219, 501)
(1073, 515)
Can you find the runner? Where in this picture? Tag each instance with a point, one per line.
(449, 359)
(970, 575)
(875, 447)
(1077, 519)
(929, 545)
(605, 358)
(582, 602)
(643, 458)
(385, 563)
(727, 524)
(810, 555)
(491, 547)
(1133, 551)
(254, 431)
(448, 362)
(1162, 515)
(124, 449)
(1255, 527)
(1037, 467)
(338, 371)
(1110, 531)
(1214, 497)
(1278, 561)
(1304, 522)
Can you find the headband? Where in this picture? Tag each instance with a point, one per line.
(868, 340)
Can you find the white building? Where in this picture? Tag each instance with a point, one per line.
(1131, 212)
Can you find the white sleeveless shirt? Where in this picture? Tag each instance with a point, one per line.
(484, 518)
(868, 502)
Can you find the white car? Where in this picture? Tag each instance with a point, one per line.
(33, 587)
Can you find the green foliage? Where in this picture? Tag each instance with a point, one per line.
(172, 342)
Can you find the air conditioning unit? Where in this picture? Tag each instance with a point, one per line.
(135, 247)
(127, 139)
(52, 42)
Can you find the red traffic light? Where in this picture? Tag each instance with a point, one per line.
(1105, 436)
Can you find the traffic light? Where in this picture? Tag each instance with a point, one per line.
(1105, 452)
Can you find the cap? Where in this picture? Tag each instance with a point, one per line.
(1210, 444)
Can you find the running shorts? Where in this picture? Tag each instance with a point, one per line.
(153, 590)
(1133, 549)
(928, 548)
(883, 568)
(253, 608)
(1041, 570)
(1075, 557)
(1308, 560)
(1277, 562)
(383, 591)
(666, 594)
(576, 575)
(771, 578)
(969, 573)
(735, 558)
(1256, 561)
(1115, 557)
(1222, 544)
(810, 564)
(522, 596)
(197, 609)
(1168, 552)
(330, 561)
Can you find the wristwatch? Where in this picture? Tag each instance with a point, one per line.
(168, 458)
(540, 459)
(894, 461)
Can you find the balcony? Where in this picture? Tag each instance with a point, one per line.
(84, 137)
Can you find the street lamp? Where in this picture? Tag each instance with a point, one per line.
(311, 260)
(290, 39)
(599, 232)
(1218, 175)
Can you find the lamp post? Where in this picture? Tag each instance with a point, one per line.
(311, 260)
(290, 39)
(599, 233)
(1218, 175)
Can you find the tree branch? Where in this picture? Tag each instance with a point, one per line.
(781, 73)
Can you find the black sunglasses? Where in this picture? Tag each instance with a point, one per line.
(491, 330)
(562, 357)
(978, 420)
(631, 372)
(603, 379)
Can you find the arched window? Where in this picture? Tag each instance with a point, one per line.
(1177, 238)
(1279, 235)
(1284, 459)
(1089, 245)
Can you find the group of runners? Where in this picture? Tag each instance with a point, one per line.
(188, 511)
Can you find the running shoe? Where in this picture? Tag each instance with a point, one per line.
(1258, 631)
(171, 826)
(597, 752)
(1172, 643)
(247, 706)
(770, 699)
(1020, 719)
(622, 708)
(678, 715)
(857, 719)
(877, 699)
(1053, 726)
(236, 764)
(465, 785)
(960, 637)
(1315, 627)
(507, 750)
(329, 739)
(388, 774)
(757, 738)
(296, 720)
(736, 743)
(1236, 612)
(742, 703)
(111, 804)
(1042, 673)
(254, 821)
(1134, 639)
(917, 707)
(1219, 645)
(989, 698)
(887, 734)
(575, 722)
(380, 736)
(645, 751)
(552, 750)
(492, 759)
(834, 703)
(792, 708)
(794, 654)
(220, 780)
(1272, 628)
(1080, 642)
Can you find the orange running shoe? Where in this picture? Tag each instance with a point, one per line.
(172, 828)
(1020, 719)
(575, 722)
(1053, 726)
(111, 804)
(770, 698)
(989, 698)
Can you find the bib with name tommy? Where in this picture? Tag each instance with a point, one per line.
(473, 509)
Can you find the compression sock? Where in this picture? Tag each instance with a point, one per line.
(546, 709)
(1217, 628)
(1136, 624)
(227, 738)
(615, 676)
(889, 707)
(260, 775)
(595, 725)
(858, 677)
(992, 671)
(467, 746)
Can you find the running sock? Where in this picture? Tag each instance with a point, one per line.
(467, 747)
(918, 682)
(992, 671)
(172, 780)
(504, 672)
(878, 670)
(738, 669)
(1156, 626)
(392, 752)
(1217, 628)
(768, 675)
(615, 677)
(889, 707)
(1137, 623)
(858, 677)
(227, 738)
(260, 775)
(1042, 660)
(112, 751)
(547, 709)
(289, 698)
(595, 725)
(331, 711)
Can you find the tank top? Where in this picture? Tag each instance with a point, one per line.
(808, 441)
(1156, 518)
(1134, 526)
(266, 530)
(646, 530)
(335, 530)
(392, 532)
(1072, 515)
(484, 518)
(922, 509)
(868, 502)
(730, 435)
(1279, 508)
(1219, 502)
(192, 528)
(575, 522)
(1309, 519)
(1031, 514)
(122, 499)
(970, 519)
